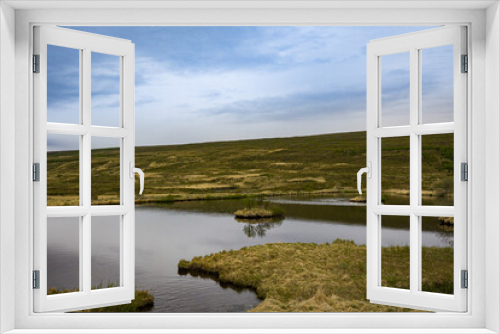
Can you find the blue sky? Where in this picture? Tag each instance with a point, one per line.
(198, 84)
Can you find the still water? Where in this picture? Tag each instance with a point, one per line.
(168, 233)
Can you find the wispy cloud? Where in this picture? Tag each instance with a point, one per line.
(221, 83)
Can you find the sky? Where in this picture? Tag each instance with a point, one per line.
(202, 84)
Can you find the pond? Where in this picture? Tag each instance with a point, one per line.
(168, 233)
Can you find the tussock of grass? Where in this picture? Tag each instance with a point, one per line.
(447, 221)
(307, 277)
(258, 213)
(358, 199)
(256, 208)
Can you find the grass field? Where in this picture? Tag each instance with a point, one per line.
(322, 164)
(307, 277)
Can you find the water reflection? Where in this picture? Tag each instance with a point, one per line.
(258, 227)
(167, 233)
(426, 200)
(212, 277)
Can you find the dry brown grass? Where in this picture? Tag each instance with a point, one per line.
(257, 213)
(307, 277)
(358, 199)
(323, 164)
(447, 221)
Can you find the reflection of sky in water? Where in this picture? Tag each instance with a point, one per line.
(165, 236)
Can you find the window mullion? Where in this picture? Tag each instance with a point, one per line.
(85, 176)
(415, 175)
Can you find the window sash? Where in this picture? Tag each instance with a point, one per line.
(86, 297)
(476, 18)
(413, 43)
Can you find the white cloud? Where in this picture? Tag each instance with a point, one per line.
(279, 84)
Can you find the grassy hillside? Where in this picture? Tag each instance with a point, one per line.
(322, 164)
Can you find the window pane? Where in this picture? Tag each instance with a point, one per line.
(105, 171)
(437, 84)
(437, 169)
(395, 89)
(63, 170)
(437, 254)
(63, 255)
(105, 90)
(395, 251)
(395, 171)
(63, 85)
(105, 252)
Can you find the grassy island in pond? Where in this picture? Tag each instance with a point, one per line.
(309, 165)
(259, 213)
(257, 209)
(307, 277)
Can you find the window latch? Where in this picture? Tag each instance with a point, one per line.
(368, 171)
(134, 170)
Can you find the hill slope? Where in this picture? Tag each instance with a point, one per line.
(313, 164)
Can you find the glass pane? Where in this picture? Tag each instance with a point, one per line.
(395, 171)
(63, 85)
(63, 170)
(395, 251)
(395, 89)
(437, 84)
(105, 90)
(437, 169)
(437, 254)
(105, 171)
(105, 252)
(63, 255)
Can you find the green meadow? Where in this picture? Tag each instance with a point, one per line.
(317, 165)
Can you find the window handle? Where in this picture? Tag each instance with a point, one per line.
(134, 170)
(368, 171)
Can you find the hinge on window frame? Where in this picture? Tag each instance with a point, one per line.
(464, 171)
(464, 274)
(36, 279)
(36, 172)
(465, 64)
(36, 63)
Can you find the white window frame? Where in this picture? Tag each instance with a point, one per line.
(484, 83)
(413, 43)
(86, 44)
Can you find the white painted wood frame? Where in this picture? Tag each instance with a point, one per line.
(414, 43)
(85, 298)
(483, 20)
